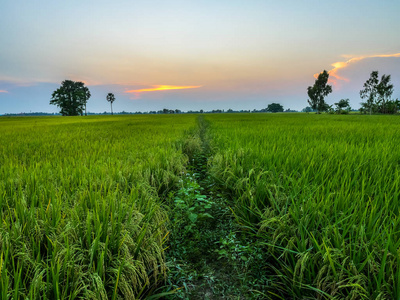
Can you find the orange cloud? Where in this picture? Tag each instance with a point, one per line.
(163, 88)
(3, 91)
(333, 74)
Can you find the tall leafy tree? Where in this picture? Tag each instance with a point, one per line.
(87, 96)
(111, 99)
(71, 97)
(318, 92)
(384, 90)
(378, 94)
(370, 92)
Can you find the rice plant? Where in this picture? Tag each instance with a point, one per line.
(81, 204)
(321, 195)
(84, 217)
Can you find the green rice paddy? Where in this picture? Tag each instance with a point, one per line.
(80, 204)
(85, 211)
(321, 194)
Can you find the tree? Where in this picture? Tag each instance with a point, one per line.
(71, 97)
(384, 90)
(307, 109)
(318, 92)
(87, 96)
(378, 94)
(111, 99)
(343, 106)
(369, 92)
(392, 106)
(275, 107)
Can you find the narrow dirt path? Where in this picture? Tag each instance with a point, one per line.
(203, 245)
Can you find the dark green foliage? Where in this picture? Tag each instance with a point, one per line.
(343, 106)
(378, 95)
(318, 92)
(307, 109)
(71, 97)
(392, 106)
(369, 92)
(384, 91)
(274, 107)
(111, 99)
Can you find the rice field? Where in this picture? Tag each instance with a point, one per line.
(81, 204)
(84, 211)
(321, 195)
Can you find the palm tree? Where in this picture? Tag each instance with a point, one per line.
(111, 99)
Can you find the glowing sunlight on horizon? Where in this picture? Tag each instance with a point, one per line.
(163, 88)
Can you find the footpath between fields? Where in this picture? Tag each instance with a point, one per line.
(206, 256)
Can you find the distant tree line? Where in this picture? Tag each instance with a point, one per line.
(153, 112)
(72, 96)
(30, 114)
(377, 93)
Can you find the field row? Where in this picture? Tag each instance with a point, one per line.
(84, 216)
(80, 204)
(321, 196)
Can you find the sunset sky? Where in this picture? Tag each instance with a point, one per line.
(193, 55)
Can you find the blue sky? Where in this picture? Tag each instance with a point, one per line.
(228, 54)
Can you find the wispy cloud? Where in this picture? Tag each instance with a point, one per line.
(3, 91)
(334, 77)
(155, 88)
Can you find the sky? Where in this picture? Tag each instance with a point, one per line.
(193, 55)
